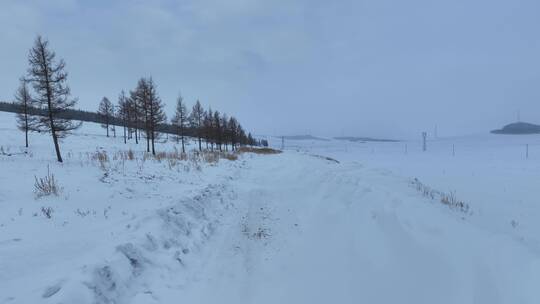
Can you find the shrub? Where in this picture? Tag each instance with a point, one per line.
(46, 186)
(130, 155)
(102, 157)
(210, 157)
(47, 212)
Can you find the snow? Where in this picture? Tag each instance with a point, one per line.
(285, 228)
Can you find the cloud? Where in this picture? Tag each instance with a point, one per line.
(384, 67)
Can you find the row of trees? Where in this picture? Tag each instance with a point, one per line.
(140, 113)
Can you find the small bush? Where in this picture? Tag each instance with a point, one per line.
(130, 155)
(210, 157)
(102, 157)
(46, 186)
(47, 212)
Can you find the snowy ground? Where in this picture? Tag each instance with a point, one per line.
(287, 228)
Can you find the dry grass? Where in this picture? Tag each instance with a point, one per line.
(102, 157)
(176, 160)
(229, 156)
(45, 186)
(448, 199)
(258, 150)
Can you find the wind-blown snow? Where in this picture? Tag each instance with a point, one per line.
(286, 228)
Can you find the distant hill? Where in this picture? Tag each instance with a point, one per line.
(518, 128)
(303, 137)
(360, 139)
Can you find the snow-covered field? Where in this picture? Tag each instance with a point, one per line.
(286, 228)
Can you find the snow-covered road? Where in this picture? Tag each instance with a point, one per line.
(312, 231)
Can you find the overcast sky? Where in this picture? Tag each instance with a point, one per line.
(349, 67)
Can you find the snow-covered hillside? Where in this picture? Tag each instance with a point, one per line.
(294, 227)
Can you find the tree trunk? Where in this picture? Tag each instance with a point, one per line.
(153, 149)
(147, 141)
(26, 124)
(49, 107)
(183, 148)
(53, 129)
(56, 146)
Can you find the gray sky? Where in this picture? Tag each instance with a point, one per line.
(373, 68)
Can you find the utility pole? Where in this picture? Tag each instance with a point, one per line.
(424, 144)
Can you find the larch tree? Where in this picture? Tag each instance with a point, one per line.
(250, 140)
(142, 101)
(25, 121)
(224, 119)
(150, 108)
(52, 94)
(207, 128)
(156, 113)
(218, 136)
(135, 114)
(196, 120)
(106, 111)
(123, 112)
(180, 120)
(232, 128)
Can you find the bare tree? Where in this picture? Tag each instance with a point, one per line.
(106, 110)
(156, 113)
(217, 127)
(250, 140)
(208, 128)
(223, 120)
(232, 129)
(135, 117)
(48, 78)
(180, 120)
(196, 120)
(151, 109)
(123, 112)
(141, 98)
(25, 122)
